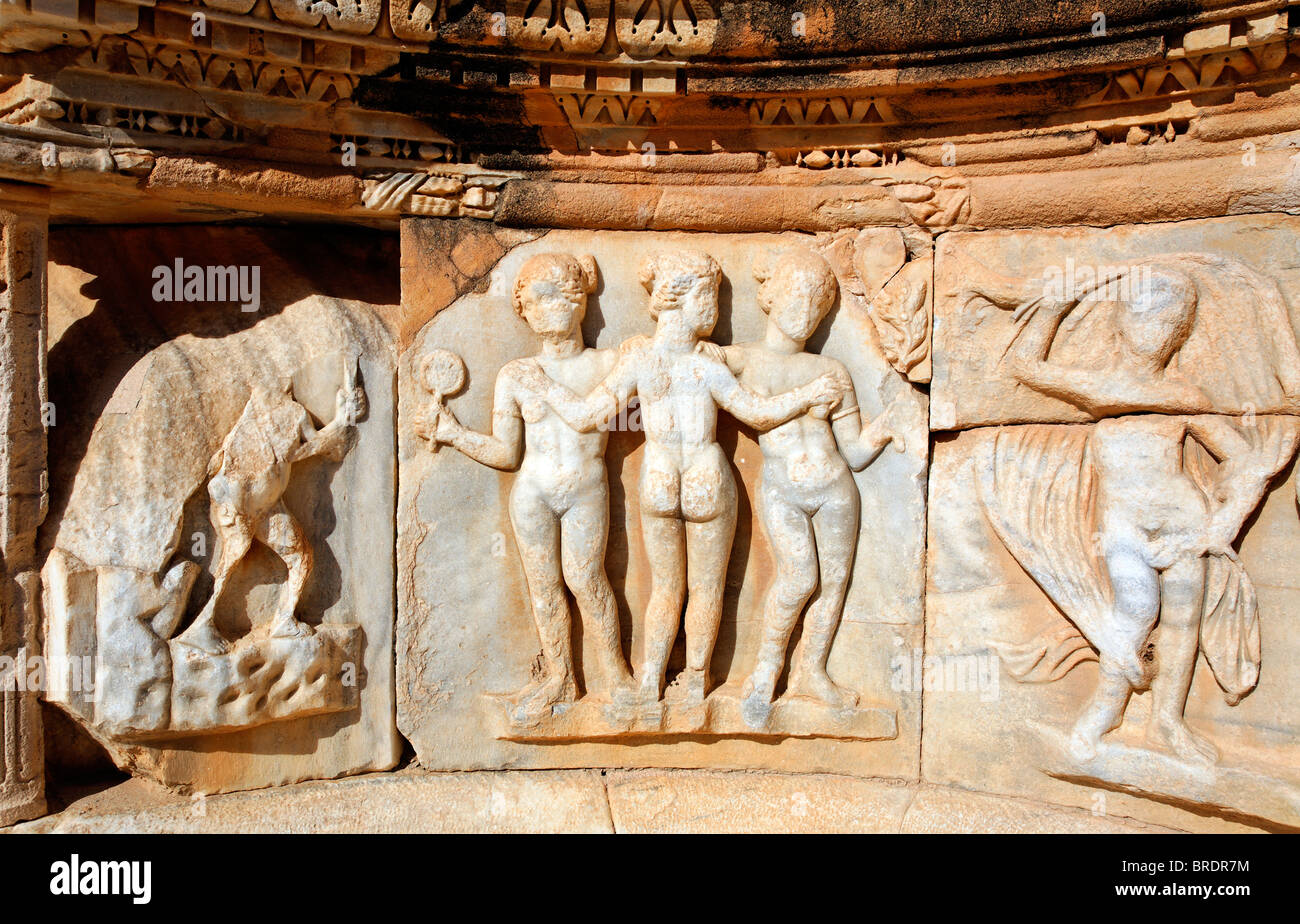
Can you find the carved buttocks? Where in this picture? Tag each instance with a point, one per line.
(217, 584)
(1131, 571)
(740, 602)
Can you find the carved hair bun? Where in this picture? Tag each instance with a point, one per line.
(678, 263)
(587, 265)
(581, 269)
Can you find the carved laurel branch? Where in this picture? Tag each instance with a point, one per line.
(901, 316)
(420, 193)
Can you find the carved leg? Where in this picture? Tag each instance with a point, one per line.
(1103, 712)
(708, 551)
(664, 546)
(537, 534)
(1182, 586)
(790, 535)
(583, 533)
(1137, 605)
(280, 532)
(836, 528)
(234, 538)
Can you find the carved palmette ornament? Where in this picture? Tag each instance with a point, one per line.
(413, 20)
(901, 316)
(357, 17)
(570, 25)
(681, 28)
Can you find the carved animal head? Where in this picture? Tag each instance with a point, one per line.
(683, 280)
(796, 288)
(1156, 319)
(551, 292)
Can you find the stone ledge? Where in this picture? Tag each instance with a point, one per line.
(575, 801)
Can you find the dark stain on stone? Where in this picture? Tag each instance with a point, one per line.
(484, 117)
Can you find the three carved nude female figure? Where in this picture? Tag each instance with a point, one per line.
(549, 420)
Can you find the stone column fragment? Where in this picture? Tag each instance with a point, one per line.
(23, 240)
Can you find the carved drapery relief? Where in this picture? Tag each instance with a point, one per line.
(1074, 293)
(1124, 545)
(558, 415)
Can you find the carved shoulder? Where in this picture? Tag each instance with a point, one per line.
(710, 350)
(634, 344)
(736, 356)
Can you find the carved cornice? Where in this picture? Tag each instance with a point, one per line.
(382, 88)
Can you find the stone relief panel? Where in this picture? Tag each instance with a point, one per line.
(1131, 576)
(1007, 301)
(218, 580)
(698, 493)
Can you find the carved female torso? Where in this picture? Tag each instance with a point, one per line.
(1145, 497)
(559, 461)
(800, 455)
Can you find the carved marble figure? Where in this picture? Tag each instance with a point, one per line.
(808, 502)
(1129, 524)
(247, 478)
(559, 503)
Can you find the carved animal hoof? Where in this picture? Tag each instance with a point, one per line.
(290, 628)
(204, 637)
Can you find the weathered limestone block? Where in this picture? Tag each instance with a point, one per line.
(578, 801)
(982, 603)
(23, 232)
(266, 681)
(1235, 271)
(474, 692)
(1132, 575)
(218, 588)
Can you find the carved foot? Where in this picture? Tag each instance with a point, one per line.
(818, 686)
(203, 636)
(688, 689)
(536, 700)
(1082, 747)
(623, 689)
(288, 627)
(756, 697)
(636, 695)
(1174, 736)
(618, 678)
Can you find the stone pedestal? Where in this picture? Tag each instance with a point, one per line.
(23, 229)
